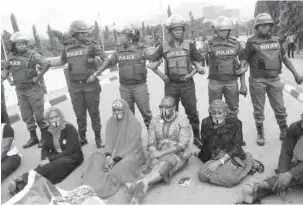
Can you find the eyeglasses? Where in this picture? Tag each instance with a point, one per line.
(161, 107)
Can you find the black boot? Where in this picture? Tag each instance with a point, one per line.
(33, 140)
(43, 131)
(283, 132)
(82, 140)
(98, 139)
(260, 137)
(197, 141)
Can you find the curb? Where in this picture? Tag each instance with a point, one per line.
(293, 91)
(59, 99)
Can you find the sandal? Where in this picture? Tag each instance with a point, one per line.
(257, 167)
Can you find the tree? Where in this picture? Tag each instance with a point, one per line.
(14, 23)
(52, 41)
(106, 33)
(291, 19)
(261, 7)
(96, 32)
(115, 33)
(5, 44)
(143, 30)
(192, 31)
(61, 36)
(148, 30)
(168, 11)
(37, 39)
(287, 16)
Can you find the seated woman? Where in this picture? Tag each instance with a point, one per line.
(10, 157)
(168, 146)
(61, 153)
(123, 157)
(226, 164)
(290, 168)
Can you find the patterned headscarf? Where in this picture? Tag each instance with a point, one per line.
(218, 105)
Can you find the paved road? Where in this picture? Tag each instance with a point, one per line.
(197, 192)
(287, 75)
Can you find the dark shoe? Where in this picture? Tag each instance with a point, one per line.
(198, 143)
(82, 140)
(32, 141)
(283, 133)
(260, 137)
(197, 140)
(98, 140)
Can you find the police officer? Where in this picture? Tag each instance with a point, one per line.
(265, 55)
(179, 54)
(81, 53)
(22, 66)
(131, 58)
(224, 53)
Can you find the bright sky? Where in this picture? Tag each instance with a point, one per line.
(60, 13)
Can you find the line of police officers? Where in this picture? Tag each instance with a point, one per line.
(228, 61)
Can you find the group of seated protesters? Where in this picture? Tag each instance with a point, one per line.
(123, 162)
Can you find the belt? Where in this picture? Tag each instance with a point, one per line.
(24, 85)
(179, 81)
(79, 81)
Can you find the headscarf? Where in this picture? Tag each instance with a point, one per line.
(123, 137)
(218, 105)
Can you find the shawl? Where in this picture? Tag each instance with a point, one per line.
(123, 137)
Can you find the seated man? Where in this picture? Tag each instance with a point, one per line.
(226, 164)
(10, 157)
(290, 168)
(168, 146)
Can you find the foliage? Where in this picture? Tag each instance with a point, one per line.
(168, 11)
(96, 32)
(143, 30)
(14, 23)
(53, 42)
(192, 26)
(37, 39)
(287, 15)
(5, 45)
(106, 33)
